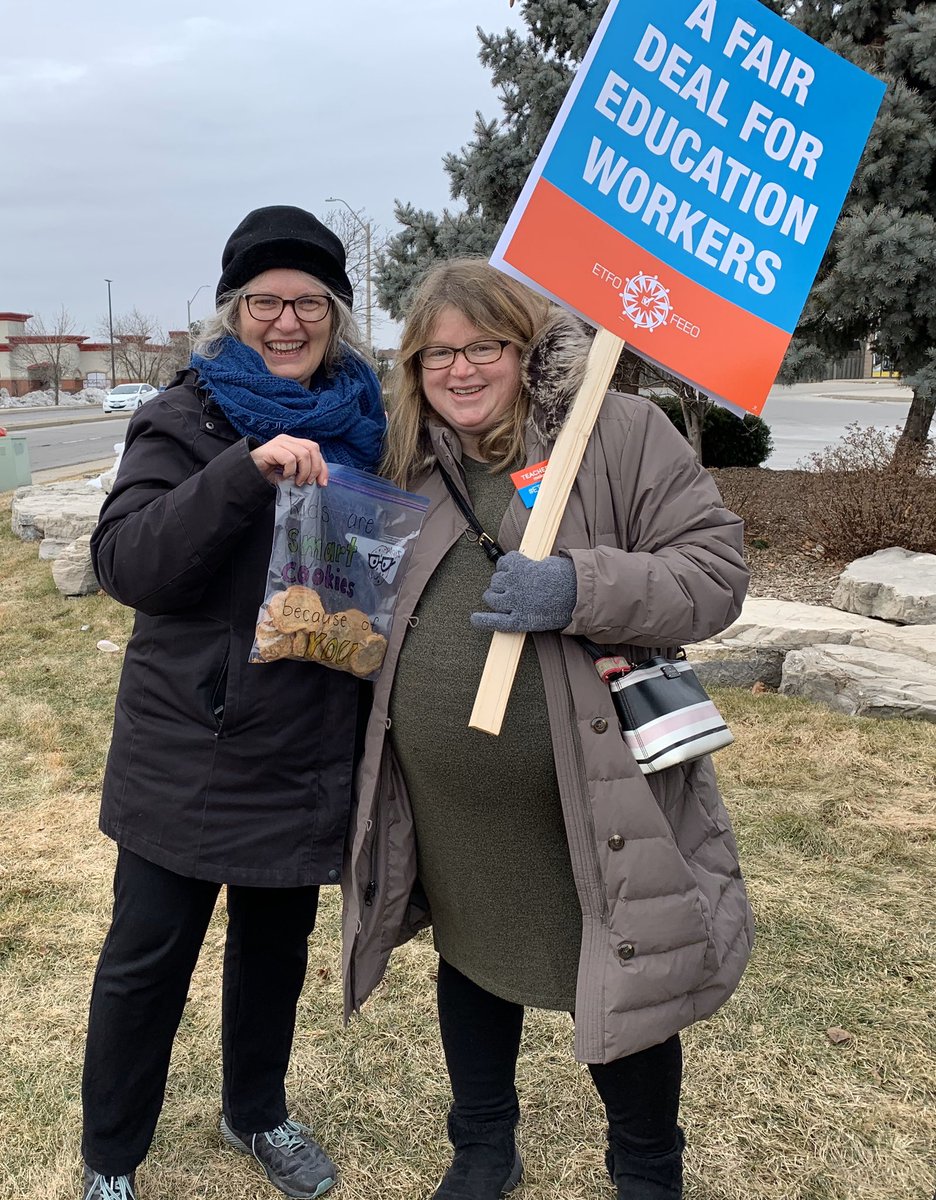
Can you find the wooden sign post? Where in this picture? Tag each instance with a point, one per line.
(564, 462)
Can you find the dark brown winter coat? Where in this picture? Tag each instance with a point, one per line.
(666, 924)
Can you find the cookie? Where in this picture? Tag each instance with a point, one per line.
(295, 609)
(367, 658)
(272, 643)
(356, 626)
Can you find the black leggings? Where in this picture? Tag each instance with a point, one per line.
(481, 1040)
(140, 987)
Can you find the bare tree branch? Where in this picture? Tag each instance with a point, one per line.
(352, 232)
(142, 352)
(48, 352)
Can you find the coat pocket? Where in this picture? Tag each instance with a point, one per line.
(689, 800)
(218, 695)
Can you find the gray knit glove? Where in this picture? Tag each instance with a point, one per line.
(528, 596)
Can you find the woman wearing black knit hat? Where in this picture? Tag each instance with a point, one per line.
(211, 778)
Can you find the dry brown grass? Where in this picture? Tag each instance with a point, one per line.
(836, 819)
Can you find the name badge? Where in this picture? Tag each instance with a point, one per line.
(527, 481)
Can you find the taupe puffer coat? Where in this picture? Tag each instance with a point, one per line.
(666, 925)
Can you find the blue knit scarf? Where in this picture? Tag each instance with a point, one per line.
(343, 411)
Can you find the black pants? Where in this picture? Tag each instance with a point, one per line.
(481, 1040)
(140, 987)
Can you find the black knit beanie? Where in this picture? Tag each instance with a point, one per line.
(283, 236)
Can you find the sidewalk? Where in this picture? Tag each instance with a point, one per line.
(847, 389)
(86, 470)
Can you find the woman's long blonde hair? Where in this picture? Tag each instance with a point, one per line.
(501, 308)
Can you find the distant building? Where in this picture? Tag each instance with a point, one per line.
(85, 363)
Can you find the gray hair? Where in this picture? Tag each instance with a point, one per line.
(223, 322)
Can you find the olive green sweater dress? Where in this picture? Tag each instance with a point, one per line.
(492, 851)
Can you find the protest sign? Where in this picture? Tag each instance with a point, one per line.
(690, 184)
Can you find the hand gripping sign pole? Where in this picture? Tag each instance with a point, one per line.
(551, 499)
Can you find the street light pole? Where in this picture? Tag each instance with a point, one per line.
(188, 310)
(110, 326)
(365, 225)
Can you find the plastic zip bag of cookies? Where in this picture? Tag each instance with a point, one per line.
(338, 560)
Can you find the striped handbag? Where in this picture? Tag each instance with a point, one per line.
(666, 715)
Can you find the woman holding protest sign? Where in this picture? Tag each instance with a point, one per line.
(220, 771)
(554, 872)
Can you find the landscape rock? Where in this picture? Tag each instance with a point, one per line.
(916, 641)
(72, 570)
(787, 625)
(893, 585)
(861, 682)
(736, 666)
(51, 548)
(62, 511)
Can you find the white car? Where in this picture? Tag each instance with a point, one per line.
(128, 396)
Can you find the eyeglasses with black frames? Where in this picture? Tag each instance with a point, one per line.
(437, 358)
(309, 309)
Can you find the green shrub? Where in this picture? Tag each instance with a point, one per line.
(727, 440)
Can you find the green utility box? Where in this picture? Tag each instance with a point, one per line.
(14, 462)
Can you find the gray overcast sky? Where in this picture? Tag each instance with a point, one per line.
(137, 136)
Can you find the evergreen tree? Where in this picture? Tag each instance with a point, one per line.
(532, 75)
(878, 276)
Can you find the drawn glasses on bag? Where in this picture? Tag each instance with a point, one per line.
(381, 563)
(309, 309)
(436, 358)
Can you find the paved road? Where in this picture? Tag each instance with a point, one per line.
(70, 438)
(807, 417)
(802, 418)
(16, 419)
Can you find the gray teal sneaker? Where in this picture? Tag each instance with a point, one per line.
(292, 1158)
(107, 1187)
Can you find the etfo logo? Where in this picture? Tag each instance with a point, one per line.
(646, 303)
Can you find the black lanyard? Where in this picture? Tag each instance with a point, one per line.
(489, 545)
(608, 666)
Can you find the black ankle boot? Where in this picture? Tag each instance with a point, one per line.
(487, 1162)
(647, 1176)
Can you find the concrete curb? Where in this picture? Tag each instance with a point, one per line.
(63, 420)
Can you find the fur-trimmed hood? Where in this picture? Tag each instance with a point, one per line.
(552, 369)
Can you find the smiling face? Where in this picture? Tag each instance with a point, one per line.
(291, 348)
(469, 397)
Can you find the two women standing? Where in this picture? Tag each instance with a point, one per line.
(554, 873)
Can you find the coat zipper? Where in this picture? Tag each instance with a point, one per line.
(219, 692)
(370, 891)
(552, 662)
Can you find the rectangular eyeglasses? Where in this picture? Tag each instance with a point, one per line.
(435, 358)
(264, 307)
